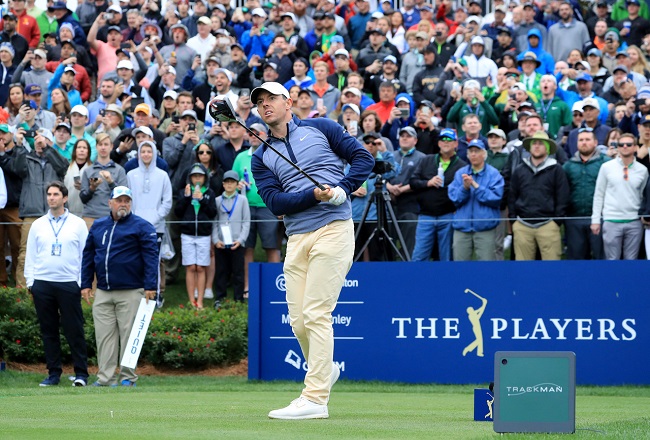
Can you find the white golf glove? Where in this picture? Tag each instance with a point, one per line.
(339, 196)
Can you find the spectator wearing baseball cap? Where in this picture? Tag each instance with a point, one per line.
(477, 190)
(68, 50)
(63, 78)
(203, 41)
(183, 54)
(258, 39)
(11, 35)
(42, 118)
(436, 209)
(105, 50)
(371, 56)
(126, 72)
(591, 110)
(38, 74)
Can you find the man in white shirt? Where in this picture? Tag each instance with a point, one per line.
(53, 274)
(203, 42)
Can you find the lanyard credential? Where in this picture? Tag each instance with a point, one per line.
(56, 233)
(232, 209)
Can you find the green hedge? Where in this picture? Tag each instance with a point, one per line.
(177, 338)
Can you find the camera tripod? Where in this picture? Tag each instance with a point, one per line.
(381, 199)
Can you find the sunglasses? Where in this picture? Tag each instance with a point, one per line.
(446, 139)
(586, 130)
(625, 144)
(202, 152)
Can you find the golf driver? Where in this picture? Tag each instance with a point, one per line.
(221, 110)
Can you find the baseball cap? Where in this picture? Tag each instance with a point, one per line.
(409, 130)
(64, 125)
(115, 109)
(232, 46)
(226, 72)
(371, 134)
(376, 15)
(4, 128)
(179, 26)
(377, 31)
(353, 107)
(584, 76)
(353, 90)
(504, 30)
(613, 35)
(273, 66)
(113, 28)
(590, 102)
(231, 174)
(526, 104)
(171, 69)
(259, 12)
(58, 5)
(577, 107)
(448, 133)
(422, 35)
(337, 39)
(497, 132)
(473, 19)
(10, 16)
(595, 51)
(476, 143)
(205, 20)
(290, 15)
(500, 8)
(40, 53)
(115, 8)
(390, 58)
(119, 191)
(259, 127)
(125, 64)
(402, 99)
(620, 67)
(33, 89)
(171, 94)
(144, 129)
(478, 40)
(191, 113)
(69, 69)
(144, 108)
(79, 109)
(342, 52)
(472, 84)
(273, 88)
(197, 168)
(622, 53)
(645, 120)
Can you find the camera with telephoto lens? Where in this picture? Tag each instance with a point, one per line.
(382, 167)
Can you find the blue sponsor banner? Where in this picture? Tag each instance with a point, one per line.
(443, 322)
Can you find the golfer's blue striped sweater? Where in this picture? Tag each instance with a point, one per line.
(321, 148)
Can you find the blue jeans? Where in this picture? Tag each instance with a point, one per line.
(431, 229)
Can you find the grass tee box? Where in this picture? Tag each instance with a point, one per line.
(534, 391)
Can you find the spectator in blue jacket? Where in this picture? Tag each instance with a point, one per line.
(122, 251)
(256, 40)
(63, 78)
(477, 190)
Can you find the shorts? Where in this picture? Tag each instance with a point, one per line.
(195, 250)
(264, 223)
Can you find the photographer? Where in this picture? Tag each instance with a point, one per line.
(385, 169)
(472, 101)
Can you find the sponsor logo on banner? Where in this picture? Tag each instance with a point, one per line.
(281, 284)
(292, 358)
(541, 388)
(579, 329)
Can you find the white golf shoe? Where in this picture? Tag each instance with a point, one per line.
(336, 373)
(300, 409)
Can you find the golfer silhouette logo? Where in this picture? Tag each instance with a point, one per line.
(474, 316)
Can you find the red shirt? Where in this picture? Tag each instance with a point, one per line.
(28, 28)
(383, 110)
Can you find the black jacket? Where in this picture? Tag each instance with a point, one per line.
(425, 82)
(12, 180)
(539, 195)
(434, 201)
(196, 224)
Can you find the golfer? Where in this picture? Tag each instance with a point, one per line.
(319, 225)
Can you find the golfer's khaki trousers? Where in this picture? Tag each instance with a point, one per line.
(314, 269)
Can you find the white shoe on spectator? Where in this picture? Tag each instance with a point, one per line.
(299, 409)
(507, 242)
(208, 294)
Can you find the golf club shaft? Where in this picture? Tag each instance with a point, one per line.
(300, 170)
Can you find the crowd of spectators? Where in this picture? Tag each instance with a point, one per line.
(534, 112)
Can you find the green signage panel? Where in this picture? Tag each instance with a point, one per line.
(534, 391)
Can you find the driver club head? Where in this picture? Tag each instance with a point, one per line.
(221, 109)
